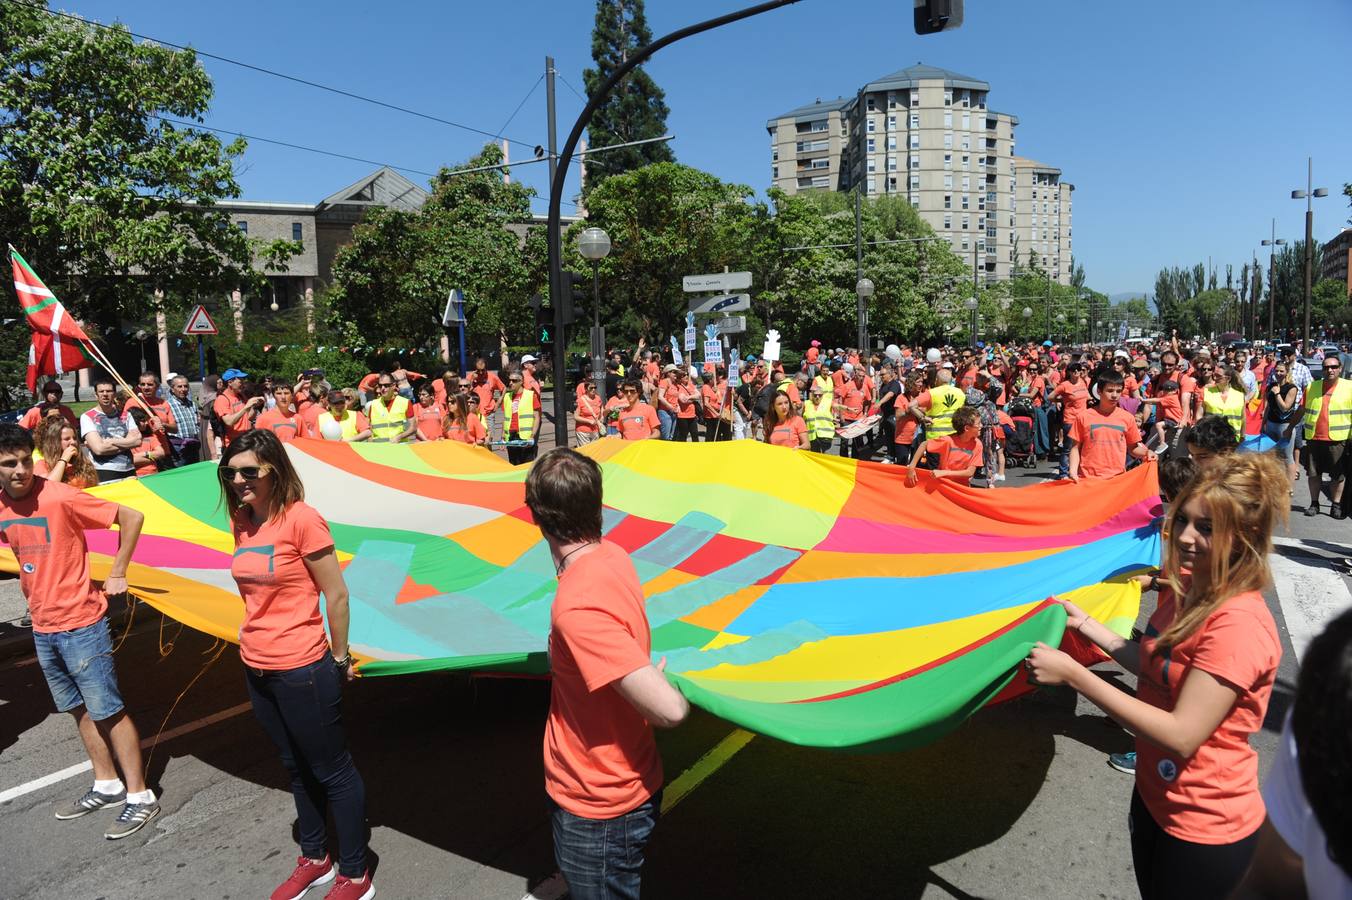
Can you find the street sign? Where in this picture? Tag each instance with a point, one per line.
(199, 322)
(719, 281)
(720, 303)
(455, 308)
(690, 338)
(713, 351)
(731, 324)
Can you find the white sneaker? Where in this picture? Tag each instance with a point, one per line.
(1000, 477)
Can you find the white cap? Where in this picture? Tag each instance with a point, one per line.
(947, 365)
(1122, 353)
(527, 358)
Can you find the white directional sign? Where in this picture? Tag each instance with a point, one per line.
(719, 281)
(731, 324)
(720, 303)
(199, 322)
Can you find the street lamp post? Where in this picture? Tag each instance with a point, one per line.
(1274, 243)
(594, 245)
(863, 289)
(1308, 196)
(972, 304)
(553, 227)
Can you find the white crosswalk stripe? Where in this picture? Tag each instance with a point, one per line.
(1311, 588)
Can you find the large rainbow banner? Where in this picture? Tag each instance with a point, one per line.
(814, 599)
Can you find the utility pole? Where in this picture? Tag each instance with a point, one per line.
(1272, 246)
(861, 311)
(556, 281)
(1308, 196)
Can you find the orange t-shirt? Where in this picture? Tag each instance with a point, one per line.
(788, 434)
(310, 416)
(428, 419)
(683, 398)
(286, 427)
(368, 384)
(592, 408)
(33, 417)
(1074, 397)
(1104, 441)
(529, 382)
(227, 402)
(852, 399)
(485, 387)
(1321, 424)
(46, 532)
(471, 432)
(158, 408)
(601, 760)
(955, 453)
(282, 626)
(637, 423)
(906, 425)
(1213, 797)
(149, 442)
(1170, 407)
(813, 354)
(713, 399)
(41, 468)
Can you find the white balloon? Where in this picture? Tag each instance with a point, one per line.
(933, 355)
(893, 352)
(331, 431)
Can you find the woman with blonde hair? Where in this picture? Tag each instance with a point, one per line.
(63, 456)
(1205, 668)
(1225, 396)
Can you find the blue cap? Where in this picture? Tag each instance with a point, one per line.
(232, 374)
(1046, 343)
(750, 358)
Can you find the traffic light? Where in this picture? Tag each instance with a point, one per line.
(544, 319)
(575, 294)
(933, 16)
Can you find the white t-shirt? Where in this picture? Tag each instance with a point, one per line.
(108, 427)
(1291, 815)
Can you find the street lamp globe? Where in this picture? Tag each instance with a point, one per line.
(1083, 320)
(1061, 318)
(864, 288)
(970, 303)
(1028, 312)
(594, 244)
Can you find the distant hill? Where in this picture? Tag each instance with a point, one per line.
(1120, 296)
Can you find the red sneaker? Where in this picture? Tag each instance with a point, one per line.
(347, 889)
(308, 874)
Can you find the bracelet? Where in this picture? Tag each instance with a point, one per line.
(1080, 628)
(1155, 583)
(344, 662)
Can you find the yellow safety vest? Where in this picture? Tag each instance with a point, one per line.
(387, 424)
(348, 424)
(828, 387)
(1340, 409)
(1230, 407)
(525, 415)
(820, 423)
(944, 401)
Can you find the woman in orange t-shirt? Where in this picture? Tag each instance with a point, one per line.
(783, 427)
(1206, 665)
(60, 442)
(460, 425)
(284, 558)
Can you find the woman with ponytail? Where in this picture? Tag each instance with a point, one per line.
(1205, 668)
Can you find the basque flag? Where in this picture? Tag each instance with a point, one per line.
(58, 340)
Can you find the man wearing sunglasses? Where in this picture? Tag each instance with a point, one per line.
(389, 413)
(637, 420)
(521, 420)
(1328, 424)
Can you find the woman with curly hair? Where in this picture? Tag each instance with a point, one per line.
(63, 456)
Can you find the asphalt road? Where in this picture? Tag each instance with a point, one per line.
(1018, 802)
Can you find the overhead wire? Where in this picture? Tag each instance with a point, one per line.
(273, 72)
(522, 103)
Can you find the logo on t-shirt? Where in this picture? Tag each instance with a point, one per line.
(249, 569)
(29, 568)
(1168, 769)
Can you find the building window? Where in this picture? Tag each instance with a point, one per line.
(948, 160)
(774, 155)
(243, 226)
(915, 120)
(774, 171)
(872, 185)
(966, 121)
(948, 120)
(966, 142)
(871, 146)
(891, 142)
(870, 126)
(891, 123)
(821, 181)
(891, 183)
(990, 233)
(966, 222)
(948, 220)
(870, 104)
(915, 142)
(964, 243)
(295, 231)
(966, 163)
(966, 183)
(948, 141)
(915, 202)
(915, 182)
(948, 98)
(872, 165)
(891, 164)
(966, 204)
(915, 96)
(948, 201)
(966, 99)
(948, 182)
(915, 160)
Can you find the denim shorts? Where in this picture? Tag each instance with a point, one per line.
(602, 859)
(78, 666)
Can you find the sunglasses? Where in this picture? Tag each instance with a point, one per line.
(248, 473)
(385, 383)
(1332, 368)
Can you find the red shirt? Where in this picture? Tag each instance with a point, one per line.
(1075, 397)
(149, 444)
(516, 403)
(600, 757)
(593, 409)
(46, 531)
(33, 417)
(282, 626)
(1212, 797)
(158, 408)
(852, 399)
(906, 425)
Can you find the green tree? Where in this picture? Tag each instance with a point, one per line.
(636, 109)
(105, 198)
(390, 284)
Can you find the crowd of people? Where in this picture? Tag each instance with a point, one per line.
(1206, 663)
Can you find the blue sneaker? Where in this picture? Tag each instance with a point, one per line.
(1123, 762)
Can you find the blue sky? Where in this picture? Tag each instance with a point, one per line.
(1183, 125)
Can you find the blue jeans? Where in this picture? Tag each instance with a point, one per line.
(667, 422)
(78, 666)
(601, 859)
(301, 710)
(1277, 431)
(1041, 444)
(1063, 469)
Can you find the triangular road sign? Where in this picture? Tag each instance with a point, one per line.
(200, 322)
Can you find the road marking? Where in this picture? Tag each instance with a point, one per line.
(1311, 592)
(554, 887)
(38, 784)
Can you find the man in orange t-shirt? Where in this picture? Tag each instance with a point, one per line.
(44, 523)
(488, 386)
(603, 773)
(233, 411)
(1104, 434)
(1073, 393)
(282, 419)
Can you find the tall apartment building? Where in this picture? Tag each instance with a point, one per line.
(1041, 218)
(1338, 259)
(925, 134)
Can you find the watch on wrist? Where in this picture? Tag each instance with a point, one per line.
(344, 662)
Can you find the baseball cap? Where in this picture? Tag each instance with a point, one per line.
(1140, 363)
(527, 358)
(1121, 353)
(947, 365)
(671, 367)
(1046, 343)
(231, 374)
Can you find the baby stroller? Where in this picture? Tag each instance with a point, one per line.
(1019, 449)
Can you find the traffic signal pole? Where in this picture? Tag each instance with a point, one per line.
(560, 347)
